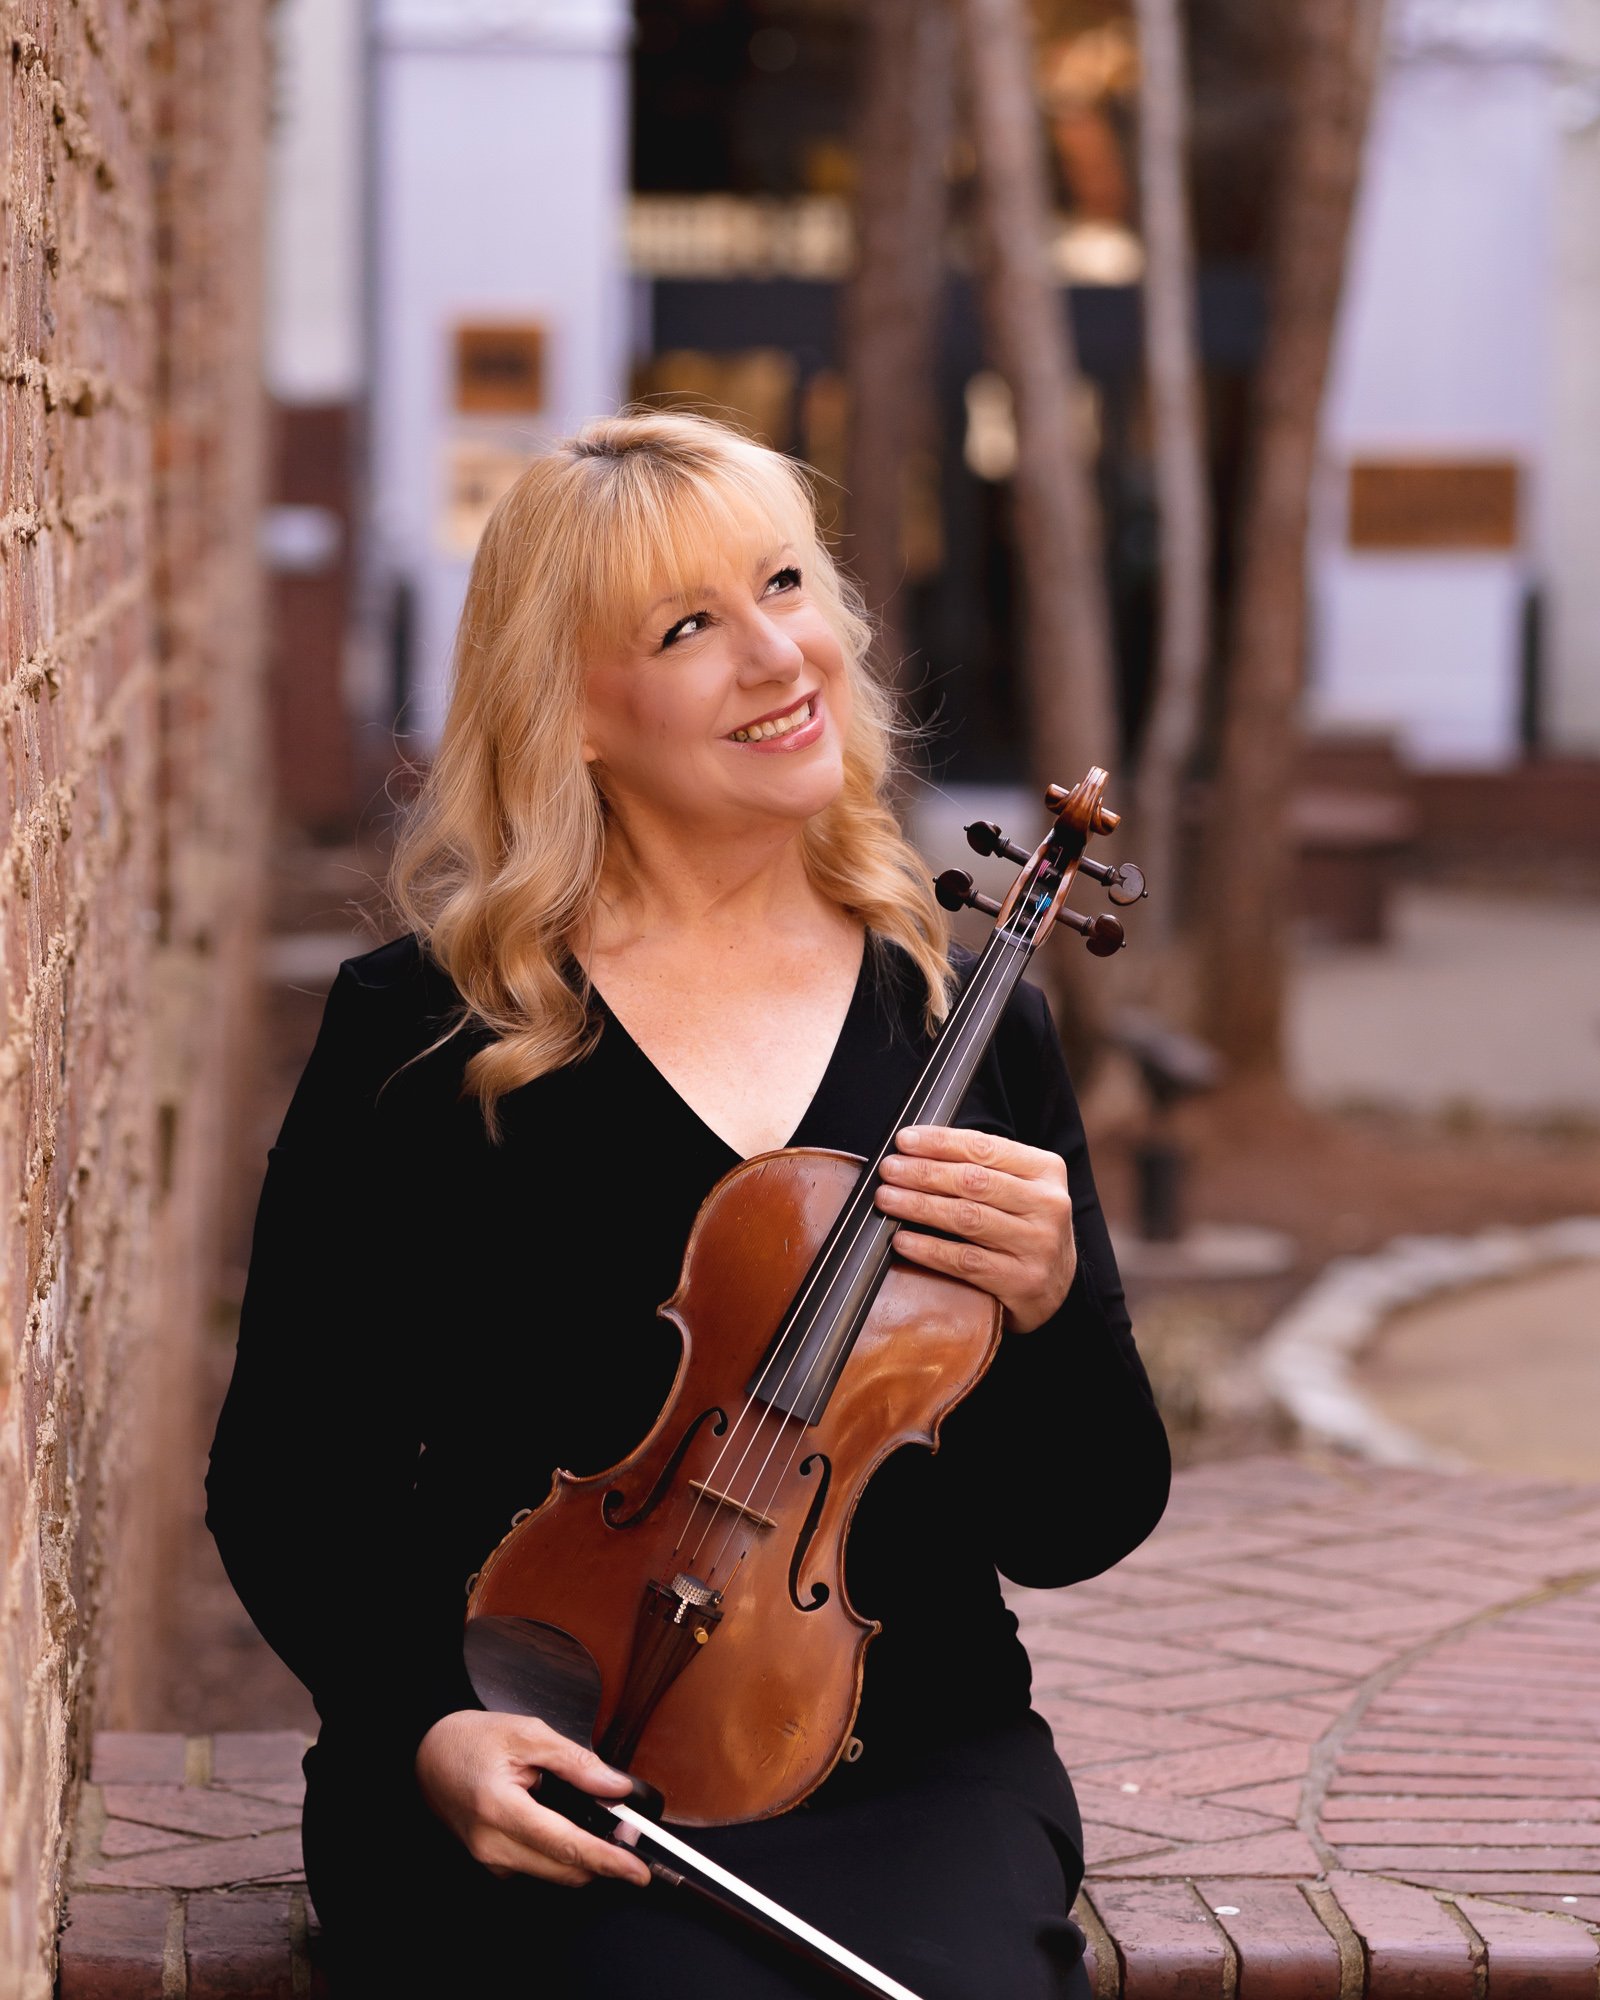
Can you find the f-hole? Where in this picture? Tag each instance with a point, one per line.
(614, 1500)
(819, 1591)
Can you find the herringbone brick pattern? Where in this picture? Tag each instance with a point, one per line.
(1383, 1686)
(1335, 1731)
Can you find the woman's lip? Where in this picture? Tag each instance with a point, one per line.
(774, 714)
(791, 739)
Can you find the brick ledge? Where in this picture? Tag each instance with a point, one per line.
(1335, 1730)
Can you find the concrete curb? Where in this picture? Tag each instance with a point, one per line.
(1305, 1358)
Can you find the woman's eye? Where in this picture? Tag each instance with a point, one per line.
(789, 578)
(684, 629)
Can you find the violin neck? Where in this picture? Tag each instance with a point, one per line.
(966, 1033)
(799, 1370)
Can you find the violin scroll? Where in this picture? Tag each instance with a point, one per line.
(1038, 899)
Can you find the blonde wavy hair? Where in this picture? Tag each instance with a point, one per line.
(500, 856)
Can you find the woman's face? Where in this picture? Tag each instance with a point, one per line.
(729, 704)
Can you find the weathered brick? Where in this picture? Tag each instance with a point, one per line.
(1533, 1957)
(125, 1836)
(130, 742)
(1343, 1811)
(1110, 1652)
(1094, 1723)
(1189, 1773)
(1510, 1772)
(208, 1864)
(1415, 1832)
(1168, 1943)
(132, 1757)
(1280, 1799)
(1497, 1853)
(238, 1946)
(1296, 1721)
(1586, 1909)
(1284, 1852)
(1549, 1783)
(1284, 1953)
(1157, 1812)
(1489, 1882)
(242, 1756)
(114, 1946)
(195, 1809)
(1392, 1734)
(1415, 1949)
(1301, 1649)
(1211, 1688)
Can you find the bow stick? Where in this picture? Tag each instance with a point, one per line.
(615, 1819)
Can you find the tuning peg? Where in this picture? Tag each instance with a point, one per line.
(1103, 934)
(955, 891)
(1123, 882)
(984, 837)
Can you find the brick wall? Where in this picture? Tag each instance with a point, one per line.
(130, 447)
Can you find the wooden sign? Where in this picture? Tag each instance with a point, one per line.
(1438, 504)
(499, 369)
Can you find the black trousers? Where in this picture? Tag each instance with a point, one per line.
(955, 1875)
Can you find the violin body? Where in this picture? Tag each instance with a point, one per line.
(738, 1706)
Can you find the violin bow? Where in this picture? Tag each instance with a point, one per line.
(616, 1819)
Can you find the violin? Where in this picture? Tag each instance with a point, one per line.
(685, 1612)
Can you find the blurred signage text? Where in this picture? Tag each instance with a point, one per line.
(499, 369)
(1438, 504)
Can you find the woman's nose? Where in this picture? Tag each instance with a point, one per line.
(769, 652)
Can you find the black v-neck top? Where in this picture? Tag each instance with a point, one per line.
(433, 1323)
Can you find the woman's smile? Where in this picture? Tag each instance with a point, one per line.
(783, 729)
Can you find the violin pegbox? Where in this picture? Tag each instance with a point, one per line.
(1037, 901)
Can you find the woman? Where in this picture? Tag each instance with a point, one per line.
(658, 918)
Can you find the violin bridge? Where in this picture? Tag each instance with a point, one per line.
(727, 1500)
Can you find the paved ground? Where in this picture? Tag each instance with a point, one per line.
(1335, 1731)
(1485, 1000)
(1507, 1376)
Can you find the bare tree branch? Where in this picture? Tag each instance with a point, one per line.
(1183, 498)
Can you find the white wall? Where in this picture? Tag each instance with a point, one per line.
(314, 231)
(1572, 512)
(1442, 352)
(500, 170)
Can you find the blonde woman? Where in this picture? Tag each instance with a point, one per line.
(658, 917)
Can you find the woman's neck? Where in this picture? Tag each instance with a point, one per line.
(697, 890)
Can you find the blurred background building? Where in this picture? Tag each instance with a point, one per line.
(493, 219)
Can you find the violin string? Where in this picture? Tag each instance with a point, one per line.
(981, 1009)
(757, 1400)
(984, 1012)
(986, 1009)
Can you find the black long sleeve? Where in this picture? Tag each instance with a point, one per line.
(313, 1467)
(432, 1324)
(1076, 1456)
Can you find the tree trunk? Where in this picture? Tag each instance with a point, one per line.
(1250, 856)
(1069, 661)
(1183, 497)
(891, 309)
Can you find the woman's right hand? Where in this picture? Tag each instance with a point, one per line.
(474, 1769)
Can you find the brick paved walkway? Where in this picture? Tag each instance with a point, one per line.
(1335, 1731)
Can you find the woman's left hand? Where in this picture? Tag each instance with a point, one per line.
(1008, 1203)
